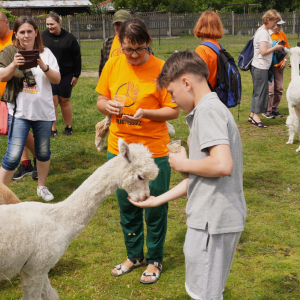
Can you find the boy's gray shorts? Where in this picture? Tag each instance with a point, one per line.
(208, 259)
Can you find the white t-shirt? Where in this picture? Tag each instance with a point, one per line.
(259, 61)
(36, 103)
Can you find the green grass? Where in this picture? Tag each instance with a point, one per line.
(267, 264)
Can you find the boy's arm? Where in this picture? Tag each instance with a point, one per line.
(218, 164)
(176, 192)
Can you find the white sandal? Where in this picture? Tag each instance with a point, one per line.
(121, 269)
(154, 275)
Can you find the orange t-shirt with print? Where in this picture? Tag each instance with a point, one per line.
(210, 57)
(116, 48)
(3, 43)
(275, 36)
(138, 84)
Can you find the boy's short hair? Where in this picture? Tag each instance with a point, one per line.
(209, 26)
(180, 63)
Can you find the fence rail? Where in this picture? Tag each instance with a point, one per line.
(159, 24)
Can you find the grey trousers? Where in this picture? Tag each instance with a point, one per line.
(208, 259)
(260, 95)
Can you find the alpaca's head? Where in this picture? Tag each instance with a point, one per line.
(294, 54)
(137, 168)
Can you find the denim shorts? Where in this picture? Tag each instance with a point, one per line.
(16, 143)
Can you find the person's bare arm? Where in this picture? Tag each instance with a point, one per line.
(53, 76)
(218, 164)
(263, 48)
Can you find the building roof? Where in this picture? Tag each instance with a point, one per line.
(20, 4)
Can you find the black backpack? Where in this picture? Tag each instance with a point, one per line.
(229, 85)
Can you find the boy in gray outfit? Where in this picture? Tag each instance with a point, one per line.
(216, 208)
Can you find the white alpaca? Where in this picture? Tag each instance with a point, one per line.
(7, 196)
(102, 129)
(34, 235)
(293, 96)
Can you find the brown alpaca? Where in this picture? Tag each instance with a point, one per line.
(7, 196)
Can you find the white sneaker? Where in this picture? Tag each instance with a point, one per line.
(43, 192)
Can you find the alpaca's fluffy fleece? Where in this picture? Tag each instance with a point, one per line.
(7, 196)
(293, 96)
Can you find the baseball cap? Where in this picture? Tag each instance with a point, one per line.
(280, 22)
(121, 16)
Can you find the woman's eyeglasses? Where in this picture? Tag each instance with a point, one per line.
(138, 51)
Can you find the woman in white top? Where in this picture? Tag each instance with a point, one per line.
(33, 106)
(260, 66)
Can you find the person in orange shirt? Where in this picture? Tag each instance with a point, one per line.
(142, 119)
(209, 28)
(276, 86)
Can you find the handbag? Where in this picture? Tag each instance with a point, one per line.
(3, 118)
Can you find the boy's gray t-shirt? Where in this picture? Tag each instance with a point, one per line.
(216, 201)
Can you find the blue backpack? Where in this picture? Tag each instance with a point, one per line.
(246, 56)
(229, 85)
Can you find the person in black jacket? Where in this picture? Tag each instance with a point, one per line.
(67, 52)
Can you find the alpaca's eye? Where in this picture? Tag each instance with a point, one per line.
(141, 177)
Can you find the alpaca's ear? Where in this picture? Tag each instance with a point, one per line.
(124, 150)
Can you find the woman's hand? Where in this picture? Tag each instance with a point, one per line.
(74, 81)
(112, 107)
(176, 160)
(150, 202)
(19, 60)
(278, 47)
(42, 65)
(136, 118)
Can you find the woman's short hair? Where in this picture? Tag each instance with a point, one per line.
(56, 17)
(180, 63)
(38, 43)
(272, 15)
(209, 26)
(135, 31)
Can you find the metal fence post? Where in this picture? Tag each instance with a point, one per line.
(108, 28)
(69, 22)
(232, 13)
(298, 26)
(159, 33)
(170, 25)
(103, 23)
(253, 26)
(78, 33)
(294, 22)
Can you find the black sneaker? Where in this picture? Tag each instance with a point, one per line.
(68, 130)
(277, 114)
(54, 133)
(269, 115)
(22, 171)
(34, 174)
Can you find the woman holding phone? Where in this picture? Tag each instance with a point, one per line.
(29, 101)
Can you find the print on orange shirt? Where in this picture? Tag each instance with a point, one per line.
(116, 48)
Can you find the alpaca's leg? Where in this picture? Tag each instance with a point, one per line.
(32, 286)
(49, 292)
(292, 122)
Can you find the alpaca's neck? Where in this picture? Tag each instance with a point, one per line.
(295, 66)
(78, 209)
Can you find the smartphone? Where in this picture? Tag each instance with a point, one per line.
(282, 42)
(31, 57)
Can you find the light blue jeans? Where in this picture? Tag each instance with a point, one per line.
(16, 143)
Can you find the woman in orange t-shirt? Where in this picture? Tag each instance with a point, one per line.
(141, 120)
(209, 28)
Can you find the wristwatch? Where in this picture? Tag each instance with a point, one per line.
(285, 59)
(46, 69)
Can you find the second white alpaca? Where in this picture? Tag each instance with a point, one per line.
(34, 235)
(293, 96)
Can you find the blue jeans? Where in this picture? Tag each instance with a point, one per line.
(16, 143)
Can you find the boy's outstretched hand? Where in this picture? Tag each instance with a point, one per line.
(176, 160)
(150, 202)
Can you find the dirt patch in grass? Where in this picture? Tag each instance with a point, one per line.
(89, 74)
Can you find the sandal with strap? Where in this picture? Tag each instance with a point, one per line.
(154, 275)
(121, 269)
(250, 119)
(258, 124)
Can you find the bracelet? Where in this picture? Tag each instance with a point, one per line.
(46, 69)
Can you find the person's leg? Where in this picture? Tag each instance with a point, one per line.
(55, 101)
(132, 226)
(15, 147)
(42, 134)
(66, 110)
(278, 89)
(271, 96)
(156, 217)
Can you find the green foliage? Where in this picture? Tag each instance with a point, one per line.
(180, 6)
(8, 13)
